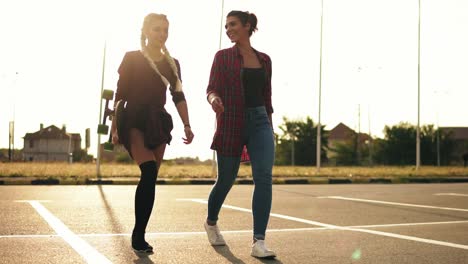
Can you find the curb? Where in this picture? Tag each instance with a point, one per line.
(302, 181)
(45, 182)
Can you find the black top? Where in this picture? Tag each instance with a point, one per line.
(253, 80)
(145, 93)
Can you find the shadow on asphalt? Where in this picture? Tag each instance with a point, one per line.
(116, 226)
(227, 254)
(142, 259)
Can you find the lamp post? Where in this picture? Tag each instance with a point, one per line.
(319, 125)
(213, 163)
(438, 95)
(98, 159)
(418, 132)
(11, 125)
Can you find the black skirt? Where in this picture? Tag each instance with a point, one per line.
(153, 121)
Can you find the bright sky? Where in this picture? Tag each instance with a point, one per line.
(51, 57)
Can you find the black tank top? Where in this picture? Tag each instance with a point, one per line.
(254, 84)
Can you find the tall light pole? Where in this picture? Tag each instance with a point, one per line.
(438, 140)
(370, 136)
(11, 130)
(213, 163)
(418, 137)
(358, 138)
(319, 125)
(98, 159)
(293, 151)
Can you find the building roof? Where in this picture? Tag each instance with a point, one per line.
(340, 132)
(343, 132)
(52, 132)
(459, 133)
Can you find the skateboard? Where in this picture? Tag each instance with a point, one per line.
(119, 115)
(103, 129)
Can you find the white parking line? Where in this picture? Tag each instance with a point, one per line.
(452, 194)
(374, 232)
(392, 203)
(413, 224)
(241, 231)
(90, 254)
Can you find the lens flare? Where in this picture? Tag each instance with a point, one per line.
(356, 255)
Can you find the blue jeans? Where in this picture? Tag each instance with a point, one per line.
(258, 138)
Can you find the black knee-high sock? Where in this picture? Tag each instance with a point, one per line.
(144, 195)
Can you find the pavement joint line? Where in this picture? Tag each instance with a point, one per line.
(90, 254)
(374, 232)
(240, 231)
(392, 203)
(452, 194)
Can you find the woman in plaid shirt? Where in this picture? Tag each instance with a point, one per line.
(239, 92)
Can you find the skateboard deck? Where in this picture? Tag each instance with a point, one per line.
(119, 115)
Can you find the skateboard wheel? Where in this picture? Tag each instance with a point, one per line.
(108, 146)
(103, 129)
(108, 94)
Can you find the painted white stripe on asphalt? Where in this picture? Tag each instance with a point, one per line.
(412, 224)
(28, 236)
(27, 201)
(452, 194)
(271, 214)
(241, 231)
(411, 238)
(90, 254)
(170, 233)
(374, 232)
(393, 203)
(204, 233)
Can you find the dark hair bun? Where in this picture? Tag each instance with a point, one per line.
(253, 22)
(246, 17)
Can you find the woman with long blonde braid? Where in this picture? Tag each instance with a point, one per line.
(144, 76)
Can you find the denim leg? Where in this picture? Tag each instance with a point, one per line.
(261, 149)
(228, 167)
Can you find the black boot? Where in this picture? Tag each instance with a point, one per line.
(139, 244)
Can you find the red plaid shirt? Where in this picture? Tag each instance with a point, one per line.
(226, 82)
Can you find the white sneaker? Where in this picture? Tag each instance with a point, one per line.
(260, 250)
(214, 235)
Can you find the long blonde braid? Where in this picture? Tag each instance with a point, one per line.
(178, 85)
(170, 60)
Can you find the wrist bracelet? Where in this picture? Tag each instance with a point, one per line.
(186, 125)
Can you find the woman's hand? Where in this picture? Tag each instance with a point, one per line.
(115, 137)
(217, 104)
(188, 135)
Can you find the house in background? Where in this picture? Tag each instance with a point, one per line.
(342, 134)
(50, 144)
(460, 136)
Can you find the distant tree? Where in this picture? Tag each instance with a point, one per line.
(447, 148)
(82, 156)
(347, 151)
(299, 142)
(399, 145)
